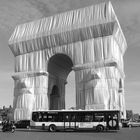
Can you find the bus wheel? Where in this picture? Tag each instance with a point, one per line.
(99, 128)
(52, 128)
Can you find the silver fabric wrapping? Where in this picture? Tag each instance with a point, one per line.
(94, 43)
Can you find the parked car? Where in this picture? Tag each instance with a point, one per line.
(22, 124)
(133, 123)
(125, 123)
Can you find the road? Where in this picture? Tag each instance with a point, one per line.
(123, 134)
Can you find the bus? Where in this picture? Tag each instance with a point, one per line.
(54, 120)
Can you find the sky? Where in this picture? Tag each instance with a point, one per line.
(14, 12)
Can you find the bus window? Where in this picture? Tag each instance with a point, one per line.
(99, 117)
(60, 117)
(45, 117)
(40, 116)
(34, 116)
(37, 116)
(70, 117)
(88, 118)
(73, 118)
(66, 117)
(52, 117)
(85, 117)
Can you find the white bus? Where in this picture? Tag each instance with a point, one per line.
(53, 120)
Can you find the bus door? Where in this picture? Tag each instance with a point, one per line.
(69, 121)
(112, 121)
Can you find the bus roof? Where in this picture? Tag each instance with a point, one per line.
(80, 110)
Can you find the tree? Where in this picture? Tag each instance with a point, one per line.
(129, 114)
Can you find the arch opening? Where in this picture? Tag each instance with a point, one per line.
(70, 95)
(59, 67)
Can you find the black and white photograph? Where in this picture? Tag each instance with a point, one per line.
(69, 69)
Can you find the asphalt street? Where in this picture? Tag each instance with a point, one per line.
(123, 134)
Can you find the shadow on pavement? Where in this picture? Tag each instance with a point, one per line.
(66, 131)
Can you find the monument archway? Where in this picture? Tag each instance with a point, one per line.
(46, 50)
(59, 67)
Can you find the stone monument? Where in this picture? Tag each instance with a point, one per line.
(87, 40)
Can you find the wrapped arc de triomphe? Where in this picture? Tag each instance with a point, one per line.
(87, 40)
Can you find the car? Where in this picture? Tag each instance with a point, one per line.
(22, 124)
(133, 123)
(125, 123)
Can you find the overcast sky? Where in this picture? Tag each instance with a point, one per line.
(14, 12)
